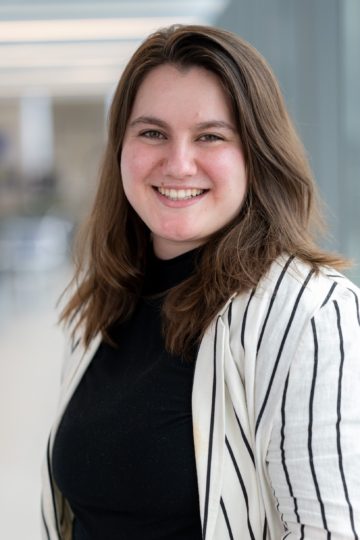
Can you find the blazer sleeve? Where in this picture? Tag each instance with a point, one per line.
(313, 457)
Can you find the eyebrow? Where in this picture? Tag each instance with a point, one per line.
(153, 120)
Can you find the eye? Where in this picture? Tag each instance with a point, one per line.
(210, 137)
(152, 134)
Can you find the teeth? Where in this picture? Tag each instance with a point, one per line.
(180, 194)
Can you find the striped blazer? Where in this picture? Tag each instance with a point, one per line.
(276, 413)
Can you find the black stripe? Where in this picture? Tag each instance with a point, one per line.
(281, 348)
(242, 486)
(283, 449)
(277, 501)
(73, 317)
(52, 488)
(226, 519)
(329, 294)
(230, 314)
(278, 507)
(311, 406)
(245, 439)
(265, 529)
(338, 436)
(74, 345)
(44, 521)
(356, 304)
(286, 535)
(245, 317)
(211, 435)
(302, 531)
(273, 296)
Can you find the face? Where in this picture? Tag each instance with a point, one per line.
(182, 165)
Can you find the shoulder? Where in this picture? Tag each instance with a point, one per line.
(293, 314)
(292, 283)
(274, 316)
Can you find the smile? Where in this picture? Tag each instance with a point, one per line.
(180, 194)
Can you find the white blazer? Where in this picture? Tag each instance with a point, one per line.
(276, 413)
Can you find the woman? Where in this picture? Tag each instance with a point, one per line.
(209, 390)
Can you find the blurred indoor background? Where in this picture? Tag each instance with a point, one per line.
(59, 64)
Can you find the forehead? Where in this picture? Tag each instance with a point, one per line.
(175, 86)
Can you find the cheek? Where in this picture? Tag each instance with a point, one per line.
(128, 164)
(127, 174)
(136, 163)
(230, 160)
(229, 173)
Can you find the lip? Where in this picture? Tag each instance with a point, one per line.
(165, 186)
(180, 203)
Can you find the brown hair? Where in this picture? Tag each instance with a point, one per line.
(279, 214)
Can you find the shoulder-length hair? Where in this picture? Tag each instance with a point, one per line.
(279, 213)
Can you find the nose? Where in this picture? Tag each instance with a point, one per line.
(179, 160)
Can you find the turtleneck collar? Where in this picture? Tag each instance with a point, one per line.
(162, 274)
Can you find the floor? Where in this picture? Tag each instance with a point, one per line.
(31, 346)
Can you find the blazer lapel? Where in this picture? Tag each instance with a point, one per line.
(208, 409)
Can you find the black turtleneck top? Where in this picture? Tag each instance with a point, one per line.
(123, 455)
